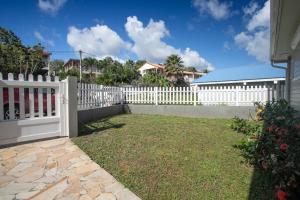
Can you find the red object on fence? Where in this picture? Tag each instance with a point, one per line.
(26, 101)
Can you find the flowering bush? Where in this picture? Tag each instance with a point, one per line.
(276, 149)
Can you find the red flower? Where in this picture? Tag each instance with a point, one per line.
(283, 146)
(281, 195)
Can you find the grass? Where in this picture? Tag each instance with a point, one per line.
(162, 157)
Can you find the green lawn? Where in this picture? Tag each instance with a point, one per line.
(162, 157)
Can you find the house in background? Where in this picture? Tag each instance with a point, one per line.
(75, 64)
(188, 76)
(253, 76)
(285, 45)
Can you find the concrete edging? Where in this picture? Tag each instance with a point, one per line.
(226, 112)
(92, 114)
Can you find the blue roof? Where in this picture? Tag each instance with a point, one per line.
(242, 73)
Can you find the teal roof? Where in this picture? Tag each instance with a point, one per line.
(242, 73)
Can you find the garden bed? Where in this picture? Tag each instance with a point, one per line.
(163, 157)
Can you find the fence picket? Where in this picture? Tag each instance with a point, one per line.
(233, 95)
(40, 97)
(31, 97)
(11, 97)
(49, 100)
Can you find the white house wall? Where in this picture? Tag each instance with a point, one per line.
(146, 66)
(295, 80)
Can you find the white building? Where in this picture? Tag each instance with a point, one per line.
(160, 69)
(285, 45)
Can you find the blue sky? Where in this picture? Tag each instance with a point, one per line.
(212, 33)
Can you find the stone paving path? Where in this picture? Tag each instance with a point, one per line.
(55, 169)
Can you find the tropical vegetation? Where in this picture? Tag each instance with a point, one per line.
(15, 57)
(273, 147)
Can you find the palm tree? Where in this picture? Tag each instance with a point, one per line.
(174, 67)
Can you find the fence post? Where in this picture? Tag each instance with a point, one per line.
(156, 95)
(237, 99)
(122, 95)
(102, 95)
(195, 95)
(71, 107)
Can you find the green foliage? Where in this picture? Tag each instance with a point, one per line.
(17, 58)
(130, 72)
(174, 67)
(154, 79)
(251, 130)
(115, 73)
(276, 148)
(57, 66)
(190, 69)
(139, 63)
(245, 127)
(205, 71)
(73, 72)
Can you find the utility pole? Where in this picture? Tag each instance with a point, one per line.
(80, 61)
(48, 64)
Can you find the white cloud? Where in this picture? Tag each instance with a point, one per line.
(256, 44)
(51, 6)
(256, 39)
(42, 39)
(98, 40)
(148, 43)
(214, 8)
(261, 18)
(251, 8)
(192, 58)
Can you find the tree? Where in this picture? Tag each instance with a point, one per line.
(130, 72)
(111, 72)
(206, 71)
(116, 73)
(174, 68)
(7, 37)
(73, 72)
(190, 69)
(139, 63)
(18, 58)
(57, 66)
(154, 80)
(90, 64)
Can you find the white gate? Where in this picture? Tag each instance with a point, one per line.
(31, 110)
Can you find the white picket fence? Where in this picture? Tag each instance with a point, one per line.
(34, 109)
(20, 99)
(204, 95)
(92, 96)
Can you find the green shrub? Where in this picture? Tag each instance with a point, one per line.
(245, 126)
(275, 150)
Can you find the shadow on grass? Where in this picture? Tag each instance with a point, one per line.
(261, 187)
(97, 126)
